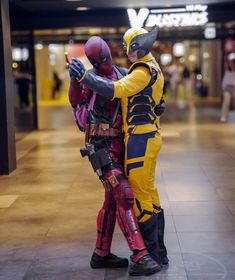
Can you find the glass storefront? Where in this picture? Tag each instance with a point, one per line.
(193, 66)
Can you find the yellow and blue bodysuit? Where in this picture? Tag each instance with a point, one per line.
(140, 91)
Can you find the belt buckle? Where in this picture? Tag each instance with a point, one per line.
(113, 181)
(104, 129)
(104, 126)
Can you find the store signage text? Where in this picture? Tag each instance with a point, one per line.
(190, 15)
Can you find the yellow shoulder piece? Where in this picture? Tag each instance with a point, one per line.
(140, 63)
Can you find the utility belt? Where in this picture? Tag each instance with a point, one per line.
(102, 129)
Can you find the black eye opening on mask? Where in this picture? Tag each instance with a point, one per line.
(104, 58)
(134, 46)
(94, 62)
(124, 46)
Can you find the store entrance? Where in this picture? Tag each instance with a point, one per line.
(192, 70)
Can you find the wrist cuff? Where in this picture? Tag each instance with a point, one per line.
(79, 81)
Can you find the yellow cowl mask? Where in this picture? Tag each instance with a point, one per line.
(140, 40)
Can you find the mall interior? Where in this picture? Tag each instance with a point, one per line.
(49, 194)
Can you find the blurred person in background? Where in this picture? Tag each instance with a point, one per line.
(228, 87)
(175, 76)
(187, 82)
(57, 84)
(23, 81)
(197, 83)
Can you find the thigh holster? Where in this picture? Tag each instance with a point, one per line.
(98, 159)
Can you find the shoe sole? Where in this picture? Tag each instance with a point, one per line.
(108, 266)
(166, 262)
(155, 270)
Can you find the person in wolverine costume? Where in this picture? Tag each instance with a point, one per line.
(105, 149)
(140, 91)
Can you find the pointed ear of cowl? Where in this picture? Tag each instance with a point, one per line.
(146, 40)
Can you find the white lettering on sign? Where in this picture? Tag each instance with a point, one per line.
(191, 15)
(137, 20)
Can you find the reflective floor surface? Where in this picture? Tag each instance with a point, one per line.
(48, 206)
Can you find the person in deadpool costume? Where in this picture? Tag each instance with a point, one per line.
(105, 150)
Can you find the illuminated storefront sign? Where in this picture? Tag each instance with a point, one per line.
(210, 31)
(190, 15)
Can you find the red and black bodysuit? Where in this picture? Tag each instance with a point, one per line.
(105, 149)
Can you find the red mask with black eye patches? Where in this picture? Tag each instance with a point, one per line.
(99, 55)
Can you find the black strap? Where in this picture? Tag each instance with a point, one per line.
(116, 112)
(121, 72)
(157, 207)
(120, 177)
(144, 212)
(138, 205)
(140, 63)
(153, 79)
(153, 72)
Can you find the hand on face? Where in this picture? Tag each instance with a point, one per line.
(76, 69)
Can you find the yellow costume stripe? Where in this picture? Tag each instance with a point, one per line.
(82, 77)
(135, 160)
(133, 83)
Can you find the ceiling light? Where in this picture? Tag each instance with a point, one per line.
(205, 55)
(25, 54)
(178, 49)
(14, 65)
(210, 32)
(38, 46)
(165, 58)
(82, 8)
(16, 54)
(192, 58)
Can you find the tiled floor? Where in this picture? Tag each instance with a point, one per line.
(48, 230)
(7, 200)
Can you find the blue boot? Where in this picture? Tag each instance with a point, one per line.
(161, 229)
(149, 231)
